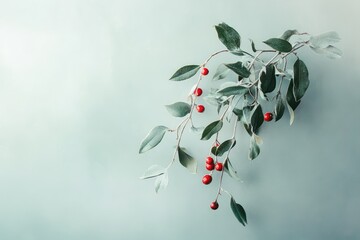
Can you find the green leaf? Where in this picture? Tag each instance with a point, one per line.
(254, 150)
(279, 108)
(228, 36)
(196, 130)
(239, 69)
(213, 149)
(161, 182)
(211, 129)
(233, 90)
(248, 129)
(179, 109)
(238, 211)
(301, 79)
(185, 72)
(253, 45)
(257, 118)
(238, 52)
(330, 52)
(290, 98)
(324, 40)
(229, 169)
(221, 72)
(291, 113)
(247, 110)
(288, 33)
(240, 114)
(187, 161)
(153, 171)
(153, 138)
(225, 146)
(279, 44)
(268, 79)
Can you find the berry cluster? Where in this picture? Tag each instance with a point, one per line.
(210, 165)
(198, 91)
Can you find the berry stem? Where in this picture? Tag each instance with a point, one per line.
(213, 55)
(226, 159)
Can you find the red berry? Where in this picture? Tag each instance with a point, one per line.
(214, 205)
(207, 179)
(198, 92)
(219, 166)
(209, 160)
(204, 71)
(200, 108)
(210, 166)
(268, 116)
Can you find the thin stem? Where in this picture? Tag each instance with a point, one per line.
(226, 159)
(276, 55)
(181, 127)
(212, 55)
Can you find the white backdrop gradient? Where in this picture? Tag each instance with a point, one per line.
(82, 82)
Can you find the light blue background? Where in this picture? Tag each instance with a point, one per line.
(82, 82)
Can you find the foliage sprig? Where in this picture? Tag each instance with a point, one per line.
(250, 85)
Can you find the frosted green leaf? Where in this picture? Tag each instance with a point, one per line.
(153, 138)
(228, 36)
(161, 182)
(324, 40)
(185, 72)
(153, 171)
(179, 109)
(186, 160)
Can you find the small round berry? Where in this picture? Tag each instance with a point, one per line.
(200, 108)
(214, 205)
(268, 116)
(210, 166)
(198, 92)
(204, 71)
(219, 166)
(209, 160)
(207, 179)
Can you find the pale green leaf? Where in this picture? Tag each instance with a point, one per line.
(279, 44)
(324, 40)
(330, 52)
(161, 182)
(221, 72)
(186, 160)
(179, 109)
(239, 69)
(291, 113)
(229, 169)
(153, 171)
(288, 33)
(153, 138)
(185, 72)
(211, 129)
(233, 90)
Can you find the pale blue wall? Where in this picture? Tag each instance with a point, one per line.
(82, 82)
